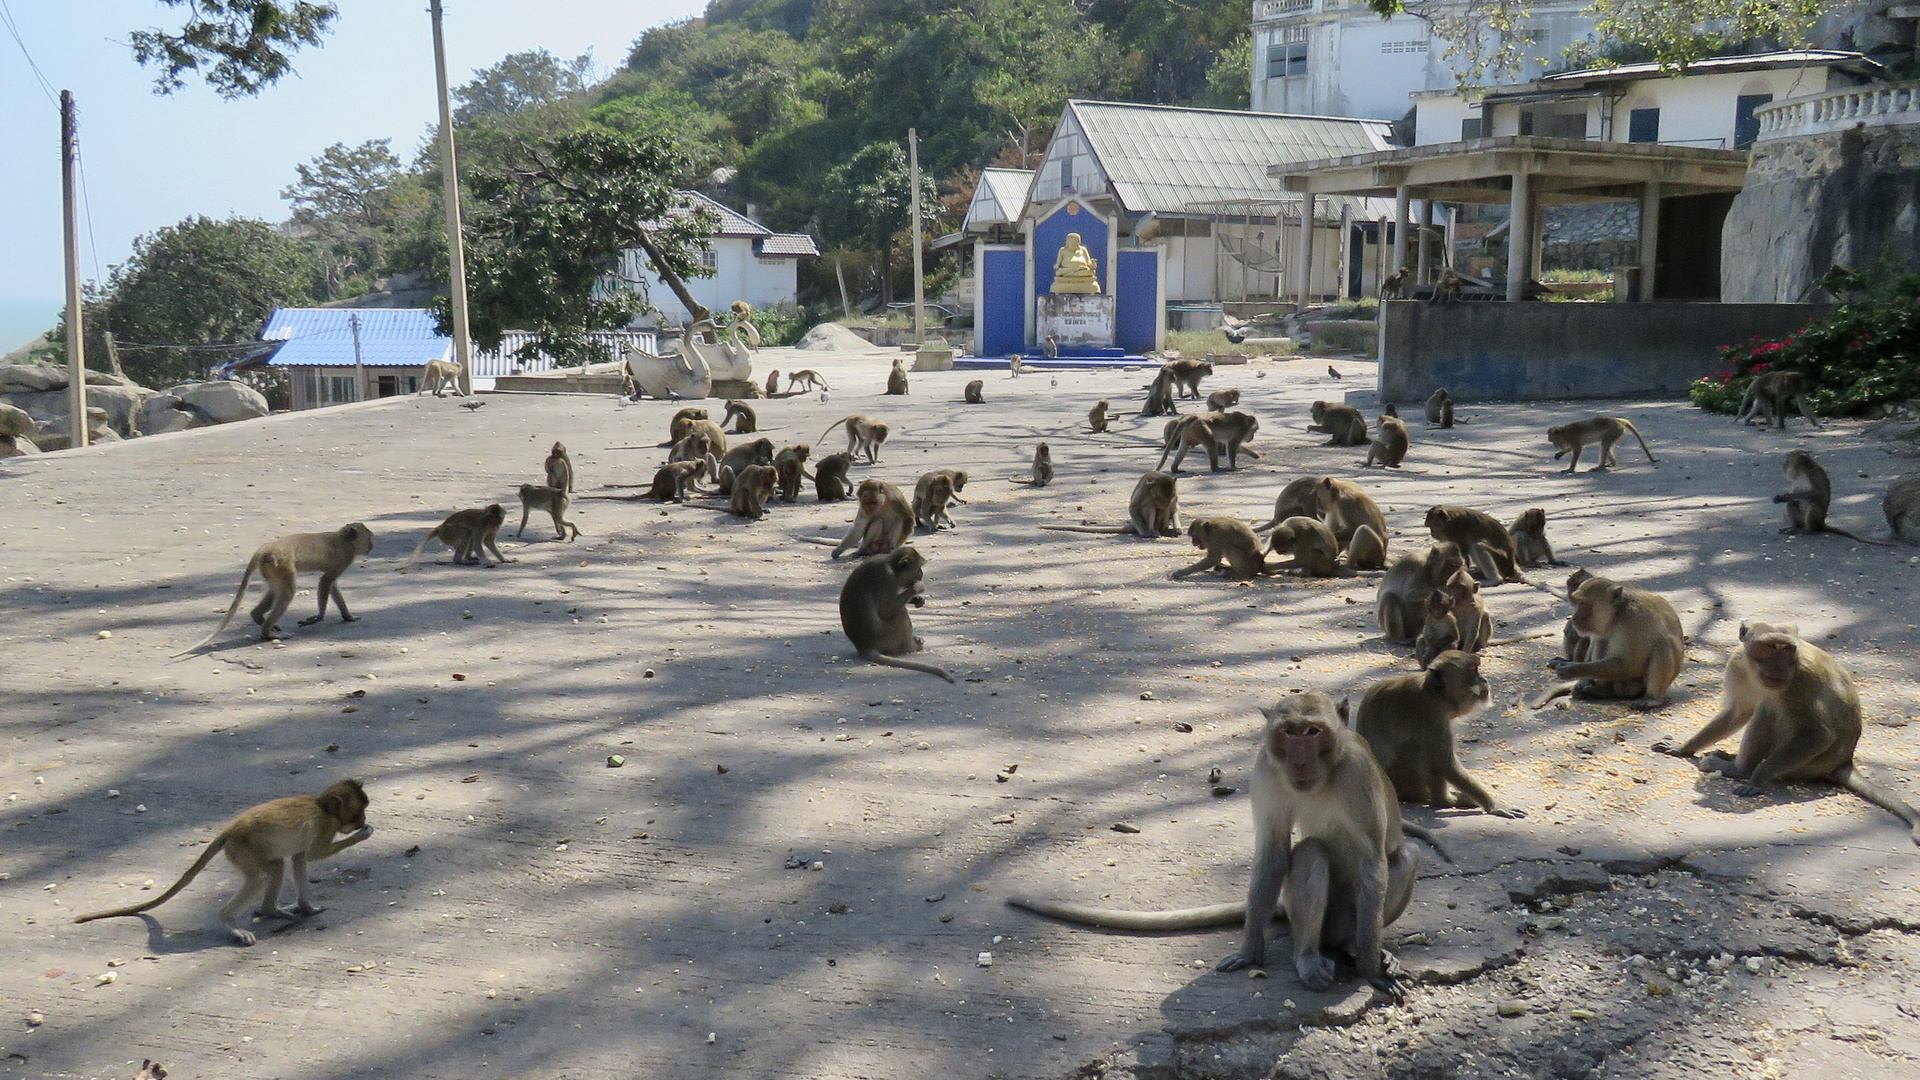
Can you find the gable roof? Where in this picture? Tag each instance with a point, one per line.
(324, 337)
(778, 245)
(1853, 62)
(1166, 159)
(997, 198)
(732, 223)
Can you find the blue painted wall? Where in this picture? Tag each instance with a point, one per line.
(1136, 316)
(1051, 232)
(1003, 302)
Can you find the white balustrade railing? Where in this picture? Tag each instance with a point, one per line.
(1881, 105)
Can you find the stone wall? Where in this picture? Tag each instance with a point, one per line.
(1849, 198)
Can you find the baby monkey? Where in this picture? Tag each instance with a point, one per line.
(560, 469)
(1042, 473)
(1226, 540)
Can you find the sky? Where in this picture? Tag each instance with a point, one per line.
(149, 161)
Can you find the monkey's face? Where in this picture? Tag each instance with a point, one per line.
(1325, 495)
(360, 538)
(879, 433)
(1558, 437)
(868, 496)
(495, 516)
(1534, 520)
(1204, 368)
(1201, 532)
(346, 803)
(959, 480)
(1319, 412)
(1774, 652)
(559, 449)
(1456, 676)
(1437, 519)
(1305, 743)
(1595, 603)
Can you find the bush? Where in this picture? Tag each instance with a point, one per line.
(785, 324)
(1859, 357)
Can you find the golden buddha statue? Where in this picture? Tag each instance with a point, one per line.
(1074, 269)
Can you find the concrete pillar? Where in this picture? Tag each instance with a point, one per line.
(1424, 272)
(1305, 267)
(1537, 225)
(1519, 244)
(1649, 237)
(1402, 221)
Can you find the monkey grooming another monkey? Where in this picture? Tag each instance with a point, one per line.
(1042, 473)
(1227, 540)
(1801, 716)
(830, 482)
(1401, 603)
(863, 433)
(1345, 507)
(884, 520)
(1485, 542)
(560, 469)
(757, 452)
(806, 379)
(1902, 507)
(1440, 408)
(1635, 646)
(976, 392)
(1097, 417)
(553, 501)
(791, 468)
(1153, 511)
(930, 498)
(1407, 722)
(682, 423)
(1343, 422)
(279, 563)
(1529, 532)
(751, 490)
(1605, 430)
(693, 447)
(1390, 446)
(873, 609)
(1773, 391)
(673, 481)
(470, 533)
(748, 421)
(262, 843)
(1367, 550)
(1315, 551)
(897, 379)
(1297, 499)
(1222, 400)
(1329, 847)
(1808, 498)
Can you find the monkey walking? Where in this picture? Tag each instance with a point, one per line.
(266, 840)
(805, 380)
(864, 433)
(1605, 430)
(1801, 716)
(470, 533)
(873, 609)
(1773, 391)
(1808, 498)
(279, 563)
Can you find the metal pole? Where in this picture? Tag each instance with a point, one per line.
(456, 250)
(359, 368)
(919, 276)
(1424, 274)
(76, 337)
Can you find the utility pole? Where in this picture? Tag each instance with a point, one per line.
(919, 274)
(359, 368)
(76, 335)
(456, 250)
(113, 353)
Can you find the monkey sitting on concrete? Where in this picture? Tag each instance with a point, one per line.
(873, 609)
(1408, 723)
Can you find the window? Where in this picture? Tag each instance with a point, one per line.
(1287, 55)
(1390, 48)
(1551, 125)
(340, 389)
(764, 261)
(389, 385)
(1746, 127)
(1643, 125)
(1473, 128)
(1066, 175)
(709, 259)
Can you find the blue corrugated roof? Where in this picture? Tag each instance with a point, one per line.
(323, 337)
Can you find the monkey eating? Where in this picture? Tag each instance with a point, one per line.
(751, 489)
(748, 421)
(864, 433)
(873, 609)
(1097, 417)
(1226, 540)
(1153, 511)
(1343, 423)
(279, 563)
(1314, 550)
(1529, 533)
(1605, 430)
(1808, 498)
(1633, 643)
(560, 469)
(1042, 472)
(830, 477)
(1407, 721)
(263, 843)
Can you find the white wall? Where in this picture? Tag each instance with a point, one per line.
(1438, 119)
(738, 275)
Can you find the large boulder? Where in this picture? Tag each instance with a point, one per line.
(161, 414)
(107, 378)
(17, 446)
(122, 404)
(55, 434)
(15, 420)
(224, 402)
(31, 378)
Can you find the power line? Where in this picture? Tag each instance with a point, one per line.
(46, 85)
(86, 204)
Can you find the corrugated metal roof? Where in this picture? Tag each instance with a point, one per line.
(1719, 65)
(732, 223)
(324, 337)
(1166, 159)
(787, 244)
(997, 198)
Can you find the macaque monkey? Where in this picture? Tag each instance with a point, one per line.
(1576, 645)
(1390, 409)
(1227, 540)
(1456, 619)
(710, 431)
(1183, 433)
(1016, 365)
(1345, 507)
(695, 446)
(1807, 499)
(1222, 400)
(747, 421)
(1488, 546)
(261, 843)
(1049, 348)
(1315, 551)
(790, 465)
(441, 376)
(930, 498)
(1297, 499)
(1393, 284)
(1447, 287)
(873, 608)
(1440, 409)
(773, 383)
(1343, 422)
(682, 423)
(1801, 717)
(1160, 397)
(1042, 473)
(470, 533)
(958, 476)
(560, 469)
(1153, 511)
(279, 563)
(897, 378)
(1407, 722)
(553, 501)
(807, 380)
(976, 392)
(1529, 532)
(1390, 446)
(1440, 633)
(830, 477)
(884, 520)
(864, 433)
(1401, 603)
(1328, 847)
(1902, 507)
(751, 489)
(1187, 375)
(1097, 417)
(757, 452)
(1605, 430)
(1367, 550)
(1773, 391)
(1635, 646)
(673, 481)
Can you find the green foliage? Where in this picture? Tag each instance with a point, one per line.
(875, 197)
(357, 206)
(1230, 79)
(1859, 356)
(547, 233)
(786, 324)
(240, 46)
(519, 82)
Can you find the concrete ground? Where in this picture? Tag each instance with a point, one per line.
(800, 869)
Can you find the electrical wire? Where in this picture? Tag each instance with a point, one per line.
(46, 86)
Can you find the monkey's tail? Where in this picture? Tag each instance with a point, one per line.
(1098, 530)
(821, 540)
(424, 541)
(1638, 439)
(219, 843)
(252, 565)
(1199, 918)
(1420, 832)
(1880, 797)
(910, 665)
(1836, 529)
(1559, 691)
(829, 431)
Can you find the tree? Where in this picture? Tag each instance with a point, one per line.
(240, 46)
(356, 204)
(548, 232)
(870, 199)
(521, 81)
